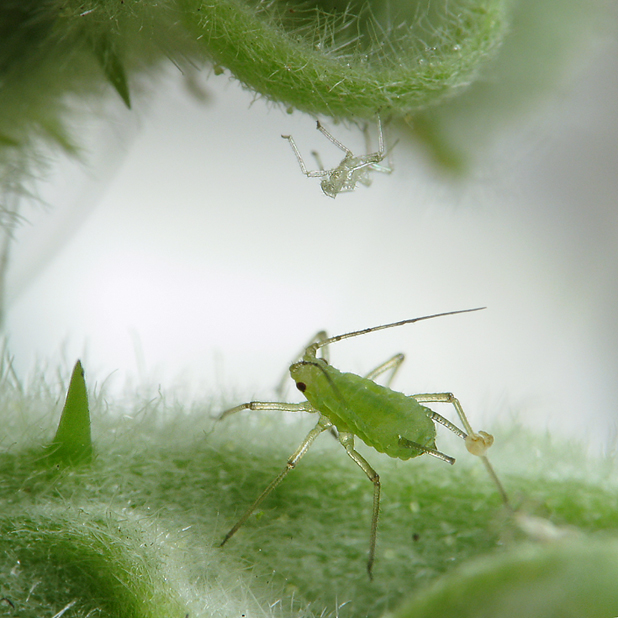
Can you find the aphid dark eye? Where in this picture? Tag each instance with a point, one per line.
(301, 386)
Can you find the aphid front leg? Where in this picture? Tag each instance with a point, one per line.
(314, 174)
(333, 139)
(347, 440)
(323, 424)
(476, 443)
(304, 406)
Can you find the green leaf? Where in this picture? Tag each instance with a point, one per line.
(575, 578)
(72, 443)
(91, 562)
(112, 67)
(543, 42)
(136, 532)
(350, 59)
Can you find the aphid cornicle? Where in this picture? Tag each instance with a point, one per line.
(392, 423)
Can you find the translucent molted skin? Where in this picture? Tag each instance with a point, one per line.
(352, 170)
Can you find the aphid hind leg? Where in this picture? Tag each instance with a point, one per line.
(347, 440)
(380, 138)
(322, 425)
(425, 449)
(476, 443)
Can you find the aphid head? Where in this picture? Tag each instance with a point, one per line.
(305, 372)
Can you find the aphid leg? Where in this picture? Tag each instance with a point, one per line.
(497, 482)
(425, 449)
(379, 154)
(347, 440)
(333, 139)
(476, 443)
(305, 406)
(386, 169)
(322, 425)
(438, 418)
(390, 166)
(372, 159)
(392, 365)
(380, 137)
(303, 167)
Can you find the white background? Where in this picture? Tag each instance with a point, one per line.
(191, 252)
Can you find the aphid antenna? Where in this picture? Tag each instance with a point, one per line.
(319, 344)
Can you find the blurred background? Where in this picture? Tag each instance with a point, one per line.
(189, 252)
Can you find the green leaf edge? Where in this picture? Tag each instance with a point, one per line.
(288, 69)
(574, 578)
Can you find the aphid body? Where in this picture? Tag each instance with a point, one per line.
(382, 418)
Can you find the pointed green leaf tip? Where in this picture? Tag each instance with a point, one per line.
(113, 68)
(72, 443)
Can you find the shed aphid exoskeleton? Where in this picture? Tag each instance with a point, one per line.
(390, 422)
(351, 170)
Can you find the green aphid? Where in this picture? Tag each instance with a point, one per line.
(350, 405)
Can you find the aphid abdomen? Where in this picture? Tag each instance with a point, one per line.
(381, 417)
